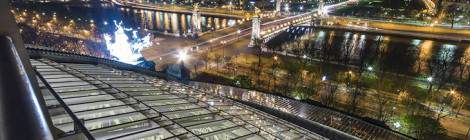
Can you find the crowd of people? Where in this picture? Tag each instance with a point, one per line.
(62, 43)
(59, 33)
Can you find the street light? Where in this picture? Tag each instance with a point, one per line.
(273, 66)
(238, 34)
(429, 79)
(370, 68)
(323, 78)
(349, 75)
(397, 125)
(182, 55)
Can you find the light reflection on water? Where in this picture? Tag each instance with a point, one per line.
(180, 24)
(466, 58)
(410, 55)
(424, 55)
(176, 24)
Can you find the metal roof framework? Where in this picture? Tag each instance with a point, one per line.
(116, 104)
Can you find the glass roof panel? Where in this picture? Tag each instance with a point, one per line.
(95, 105)
(122, 110)
(156, 134)
(187, 113)
(105, 122)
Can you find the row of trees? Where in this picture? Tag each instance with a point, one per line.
(372, 75)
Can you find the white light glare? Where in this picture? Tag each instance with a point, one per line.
(429, 79)
(182, 55)
(397, 124)
(125, 50)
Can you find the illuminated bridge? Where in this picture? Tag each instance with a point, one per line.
(267, 30)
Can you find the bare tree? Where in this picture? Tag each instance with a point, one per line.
(452, 10)
(293, 74)
(443, 106)
(273, 75)
(449, 104)
(442, 67)
(354, 99)
(347, 51)
(464, 65)
(383, 107)
(258, 49)
(205, 57)
(328, 94)
(218, 60)
(325, 50)
(409, 101)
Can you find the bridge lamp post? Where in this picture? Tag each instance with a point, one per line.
(223, 47)
(238, 34)
(182, 56)
(274, 66)
(286, 7)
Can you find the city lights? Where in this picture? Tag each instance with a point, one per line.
(397, 124)
(323, 78)
(182, 55)
(391, 64)
(429, 79)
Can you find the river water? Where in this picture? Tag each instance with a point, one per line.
(398, 54)
(103, 15)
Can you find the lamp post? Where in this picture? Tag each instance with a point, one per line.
(429, 79)
(349, 77)
(184, 74)
(223, 48)
(182, 56)
(238, 34)
(273, 70)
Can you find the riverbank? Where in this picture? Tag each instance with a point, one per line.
(395, 26)
(293, 77)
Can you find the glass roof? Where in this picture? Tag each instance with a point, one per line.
(116, 104)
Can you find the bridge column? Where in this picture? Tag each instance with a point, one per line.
(255, 30)
(196, 21)
(278, 6)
